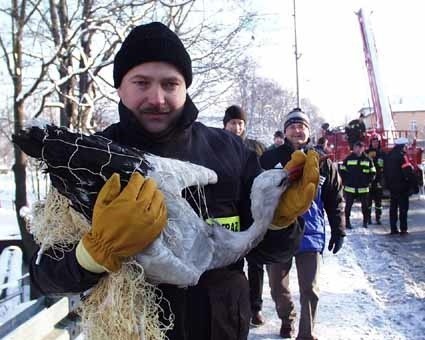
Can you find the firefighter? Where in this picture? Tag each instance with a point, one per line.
(357, 172)
(356, 130)
(377, 155)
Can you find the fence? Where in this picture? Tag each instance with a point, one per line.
(43, 319)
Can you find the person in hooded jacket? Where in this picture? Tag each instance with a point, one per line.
(329, 199)
(152, 71)
(377, 155)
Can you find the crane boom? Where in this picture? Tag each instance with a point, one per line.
(381, 106)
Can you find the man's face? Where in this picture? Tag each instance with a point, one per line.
(298, 134)
(358, 149)
(155, 92)
(235, 126)
(278, 141)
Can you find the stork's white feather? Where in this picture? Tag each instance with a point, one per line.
(189, 246)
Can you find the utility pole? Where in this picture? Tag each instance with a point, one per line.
(296, 57)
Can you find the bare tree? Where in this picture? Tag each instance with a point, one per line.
(56, 52)
(21, 14)
(265, 101)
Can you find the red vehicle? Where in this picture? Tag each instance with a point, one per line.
(338, 146)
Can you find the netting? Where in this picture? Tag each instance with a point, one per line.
(79, 165)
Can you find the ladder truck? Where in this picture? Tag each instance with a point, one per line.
(382, 120)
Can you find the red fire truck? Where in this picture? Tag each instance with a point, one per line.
(383, 123)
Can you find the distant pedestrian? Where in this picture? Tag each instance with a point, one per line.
(377, 155)
(322, 145)
(234, 121)
(278, 140)
(401, 182)
(357, 172)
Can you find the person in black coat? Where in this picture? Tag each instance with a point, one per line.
(377, 155)
(357, 172)
(152, 71)
(399, 176)
(234, 121)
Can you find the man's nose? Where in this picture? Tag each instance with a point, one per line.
(156, 95)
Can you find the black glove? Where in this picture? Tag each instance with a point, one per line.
(335, 242)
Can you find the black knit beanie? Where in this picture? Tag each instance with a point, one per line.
(234, 112)
(152, 42)
(279, 134)
(296, 116)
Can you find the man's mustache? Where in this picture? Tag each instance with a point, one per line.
(150, 110)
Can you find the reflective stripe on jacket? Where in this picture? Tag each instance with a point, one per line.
(357, 173)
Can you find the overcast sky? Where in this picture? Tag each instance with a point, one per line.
(332, 72)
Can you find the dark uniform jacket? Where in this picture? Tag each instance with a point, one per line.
(357, 173)
(331, 200)
(399, 173)
(378, 158)
(218, 307)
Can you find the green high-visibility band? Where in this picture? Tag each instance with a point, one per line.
(232, 223)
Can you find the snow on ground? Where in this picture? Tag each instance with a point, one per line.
(373, 289)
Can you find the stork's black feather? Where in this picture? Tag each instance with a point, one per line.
(78, 164)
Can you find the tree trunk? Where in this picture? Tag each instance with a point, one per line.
(19, 169)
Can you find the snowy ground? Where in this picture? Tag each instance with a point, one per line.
(374, 288)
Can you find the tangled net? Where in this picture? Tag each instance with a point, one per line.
(123, 305)
(78, 166)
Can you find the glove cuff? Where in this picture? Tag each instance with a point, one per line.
(86, 260)
(277, 227)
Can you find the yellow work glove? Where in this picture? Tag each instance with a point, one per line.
(304, 174)
(124, 223)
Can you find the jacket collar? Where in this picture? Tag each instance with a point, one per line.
(135, 135)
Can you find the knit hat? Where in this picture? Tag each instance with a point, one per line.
(152, 42)
(278, 133)
(234, 112)
(296, 116)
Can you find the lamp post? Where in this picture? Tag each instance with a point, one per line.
(296, 58)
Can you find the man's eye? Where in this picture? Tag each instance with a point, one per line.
(141, 83)
(171, 85)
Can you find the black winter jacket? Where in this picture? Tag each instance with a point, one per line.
(357, 173)
(399, 173)
(378, 158)
(332, 196)
(236, 167)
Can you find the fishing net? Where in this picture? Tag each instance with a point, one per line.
(125, 304)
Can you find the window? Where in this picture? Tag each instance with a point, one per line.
(413, 126)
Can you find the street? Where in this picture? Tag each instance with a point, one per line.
(373, 289)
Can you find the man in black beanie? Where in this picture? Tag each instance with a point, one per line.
(234, 121)
(152, 71)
